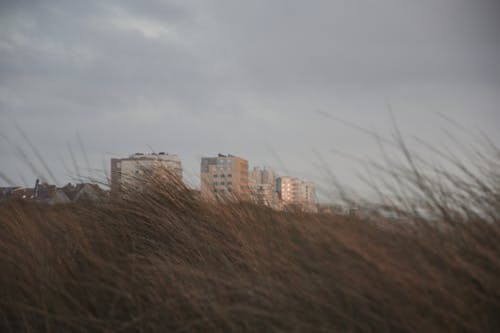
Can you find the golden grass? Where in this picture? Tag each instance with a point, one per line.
(162, 260)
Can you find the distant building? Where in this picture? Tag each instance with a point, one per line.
(129, 169)
(329, 208)
(297, 192)
(40, 192)
(224, 176)
(83, 192)
(7, 193)
(309, 195)
(287, 188)
(44, 192)
(263, 187)
(51, 194)
(263, 176)
(59, 197)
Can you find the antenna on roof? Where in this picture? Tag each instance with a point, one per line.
(36, 189)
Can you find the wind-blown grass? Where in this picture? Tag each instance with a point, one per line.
(160, 259)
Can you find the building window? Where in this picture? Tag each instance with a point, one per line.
(230, 175)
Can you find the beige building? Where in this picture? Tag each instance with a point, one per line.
(263, 187)
(297, 192)
(224, 176)
(129, 169)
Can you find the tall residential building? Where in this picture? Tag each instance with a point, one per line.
(129, 169)
(297, 192)
(263, 176)
(287, 189)
(224, 176)
(263, 187)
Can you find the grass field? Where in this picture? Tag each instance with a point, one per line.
(162, 260)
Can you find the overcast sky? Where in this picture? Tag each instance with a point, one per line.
(265, 80)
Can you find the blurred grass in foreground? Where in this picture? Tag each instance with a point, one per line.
(160, 259)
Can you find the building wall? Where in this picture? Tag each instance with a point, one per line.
(263, 176)
(224, 176)
(297, 192)
(287, 188)
(263, 187)
(127, 170)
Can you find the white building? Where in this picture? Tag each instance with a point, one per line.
(263, 187)
(297, 192)
(129, 169)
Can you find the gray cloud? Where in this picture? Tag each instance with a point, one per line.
(199, 77)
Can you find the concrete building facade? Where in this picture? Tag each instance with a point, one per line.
(297, 192)
(224, 176)
(263, 187)
(129, 169)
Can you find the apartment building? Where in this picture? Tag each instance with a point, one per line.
(224, 176)
(263, 187)
(286, 188)
(129, 169)
(297, 192)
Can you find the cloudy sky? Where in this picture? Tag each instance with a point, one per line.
(275, 81)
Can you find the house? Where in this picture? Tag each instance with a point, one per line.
(82, 192)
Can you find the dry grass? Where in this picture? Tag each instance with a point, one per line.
(161, 260)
